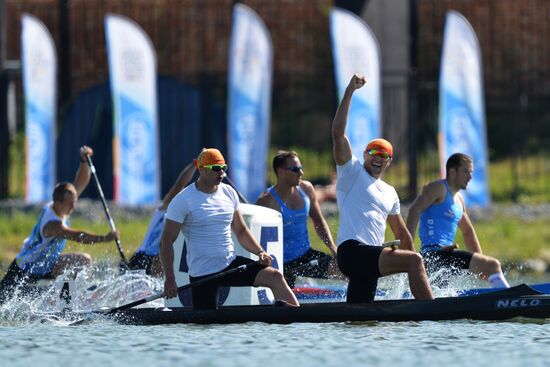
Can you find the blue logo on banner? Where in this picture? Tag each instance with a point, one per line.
(361, 127)
(40, 160)
(464, 133)
(247, 134)
(138, 156)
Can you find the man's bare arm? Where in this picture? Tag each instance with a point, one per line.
(341, 145)
(400, 231)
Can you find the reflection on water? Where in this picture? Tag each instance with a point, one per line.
(454, 343)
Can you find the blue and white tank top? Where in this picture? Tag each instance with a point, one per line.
(39, 254)
(439, 222)
(151, 242)
(295, 235)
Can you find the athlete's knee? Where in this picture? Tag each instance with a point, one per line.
(276, 275)
(270, 276)
(415, 261)
(494, 265)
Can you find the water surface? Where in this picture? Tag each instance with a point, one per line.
(518, 342)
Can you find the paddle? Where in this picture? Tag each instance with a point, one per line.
(393, 244)
(311, 263)
(106, 209)
(186, 286)
(232, 184)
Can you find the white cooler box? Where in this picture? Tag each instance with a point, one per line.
(267, 227)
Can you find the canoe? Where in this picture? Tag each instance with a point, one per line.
(518, 301)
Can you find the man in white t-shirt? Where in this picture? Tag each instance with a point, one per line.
(206, 212)
(41, 256)
(366, 203)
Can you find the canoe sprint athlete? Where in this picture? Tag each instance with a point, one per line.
(147, 255)
(441, 211)
(40, 257)
(207, 212)
(366, 203)
(295, 199)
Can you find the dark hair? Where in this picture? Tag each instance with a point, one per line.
(456, 160)
(62, 189)
(280, 159)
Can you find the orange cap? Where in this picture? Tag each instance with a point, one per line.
(381, 144)
(209, 156)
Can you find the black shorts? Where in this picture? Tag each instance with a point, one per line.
(206, 296)
(314, 271)
(454, 260)
(141, 260)
(359, 262)
(17, 278)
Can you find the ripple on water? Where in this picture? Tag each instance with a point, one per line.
(336, 344)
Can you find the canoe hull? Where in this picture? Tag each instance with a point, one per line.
(520, 301)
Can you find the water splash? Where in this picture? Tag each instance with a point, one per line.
(91, 289)
(444, 283)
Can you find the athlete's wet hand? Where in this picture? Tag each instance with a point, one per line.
(170, 288)
(111, 236)
(265, 259)
(85, 151)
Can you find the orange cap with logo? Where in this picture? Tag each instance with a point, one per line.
(209, 156)
(381, 144)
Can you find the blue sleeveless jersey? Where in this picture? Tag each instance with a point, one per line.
(151, 242)
(295, 235)
(438, 223)
(39, 255)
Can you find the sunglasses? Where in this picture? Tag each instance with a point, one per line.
(295, 169)
(216, 167)
(379, 153)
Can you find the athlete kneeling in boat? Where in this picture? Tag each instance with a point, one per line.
(206, 212)
(147, 255)
(40, 257)
(295, 199)
(366, 203)
(441, 210)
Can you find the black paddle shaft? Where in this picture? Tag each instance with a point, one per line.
(232, 184)
(105, 207)
(310, 264)
(316, 262)
(183, 287)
